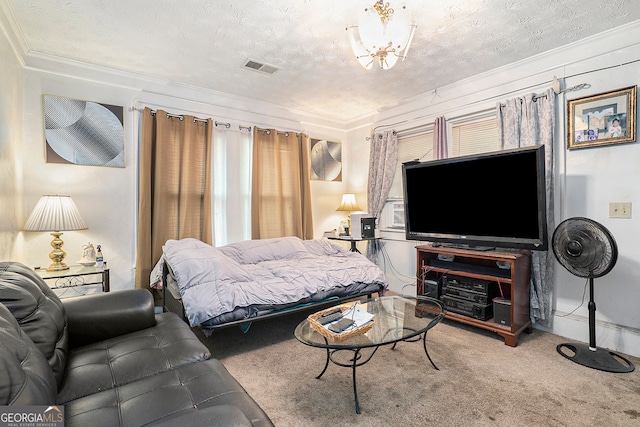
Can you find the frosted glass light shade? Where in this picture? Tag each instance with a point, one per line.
(381, 37)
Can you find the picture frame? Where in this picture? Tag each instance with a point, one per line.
(326, 160)
(79, 132)
(603, 119)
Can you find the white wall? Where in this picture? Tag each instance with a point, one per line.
(10, 142)
(107, 197)
(587, 179)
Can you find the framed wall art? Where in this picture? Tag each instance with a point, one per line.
(602, 119)
(83, 132)
(326, 160)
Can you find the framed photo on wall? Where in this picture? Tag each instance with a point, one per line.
(602, 119)
(83, 132)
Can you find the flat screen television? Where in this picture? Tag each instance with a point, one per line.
(481, 201)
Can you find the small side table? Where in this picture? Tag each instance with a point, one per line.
(77, 275)
(353, 241)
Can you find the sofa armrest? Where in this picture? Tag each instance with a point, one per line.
(97, 317)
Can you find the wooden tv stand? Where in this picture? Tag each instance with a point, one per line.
(433, 263)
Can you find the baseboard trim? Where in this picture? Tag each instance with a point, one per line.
(613, 336)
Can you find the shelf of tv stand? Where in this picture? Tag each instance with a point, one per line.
(514, 282)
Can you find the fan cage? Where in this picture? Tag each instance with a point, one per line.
(584, 247)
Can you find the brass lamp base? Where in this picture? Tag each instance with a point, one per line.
(57, 255)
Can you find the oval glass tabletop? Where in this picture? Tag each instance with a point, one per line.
(396, 318)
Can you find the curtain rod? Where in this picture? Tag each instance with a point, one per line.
(576, 87)
(557, 91)
(181, 117)
(268, 132)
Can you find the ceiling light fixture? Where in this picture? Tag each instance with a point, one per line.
(383, 34)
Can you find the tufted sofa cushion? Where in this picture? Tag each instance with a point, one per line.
(26, 378)
(131, 357)
(171, 395)
(38, 310)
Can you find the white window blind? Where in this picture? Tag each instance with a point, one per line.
(474, 137)
(410, 147)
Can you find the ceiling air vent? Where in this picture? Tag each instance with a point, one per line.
(252, 64)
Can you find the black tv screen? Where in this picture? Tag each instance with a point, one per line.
(489, 200)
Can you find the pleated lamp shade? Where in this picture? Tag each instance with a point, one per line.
(348, 203)
(55, 214)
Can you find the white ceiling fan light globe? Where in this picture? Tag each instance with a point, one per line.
(383, 40)
(389, 61)
(398, 29)
(371, 28)
(403, 53)
(362, 55)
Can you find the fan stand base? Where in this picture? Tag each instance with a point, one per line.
(601, 359)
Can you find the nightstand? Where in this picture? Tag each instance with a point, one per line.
(76, 275)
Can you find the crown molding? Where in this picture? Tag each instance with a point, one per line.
(13, 31)
(530, 74)
(51, 64)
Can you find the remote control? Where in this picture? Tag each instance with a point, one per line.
(341, 325)
(330, 312)
(330, 317)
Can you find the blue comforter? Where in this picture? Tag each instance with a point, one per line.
(274, 272)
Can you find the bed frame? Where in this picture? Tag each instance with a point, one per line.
(170, 303)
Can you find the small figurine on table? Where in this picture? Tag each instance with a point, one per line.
(88, 255)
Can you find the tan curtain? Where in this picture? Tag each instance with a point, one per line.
(175, 185)
(281, 191)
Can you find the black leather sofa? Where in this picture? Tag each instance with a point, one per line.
(110, 360)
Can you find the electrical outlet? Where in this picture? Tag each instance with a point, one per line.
(619, 209)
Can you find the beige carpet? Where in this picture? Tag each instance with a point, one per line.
(481, 382)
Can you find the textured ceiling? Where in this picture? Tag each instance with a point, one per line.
(205, 42)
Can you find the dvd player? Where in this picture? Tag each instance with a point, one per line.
(478, 297)
(468, 308)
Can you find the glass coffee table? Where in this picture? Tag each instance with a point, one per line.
(396, 318)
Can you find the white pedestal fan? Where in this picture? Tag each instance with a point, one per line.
(587, 249)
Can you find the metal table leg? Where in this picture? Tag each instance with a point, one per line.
(356, 356)
(355, 362)
(326, 364)
(424, 343)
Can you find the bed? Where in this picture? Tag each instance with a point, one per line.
(236, 284)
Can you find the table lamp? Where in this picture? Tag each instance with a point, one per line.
(55, 214)
(349, 205)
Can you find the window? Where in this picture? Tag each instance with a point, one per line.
(475, 137)
(410, 147)
(231, 186)
(467, 137)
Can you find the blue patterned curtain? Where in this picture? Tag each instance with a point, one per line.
(524, 122)
(382, 166)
